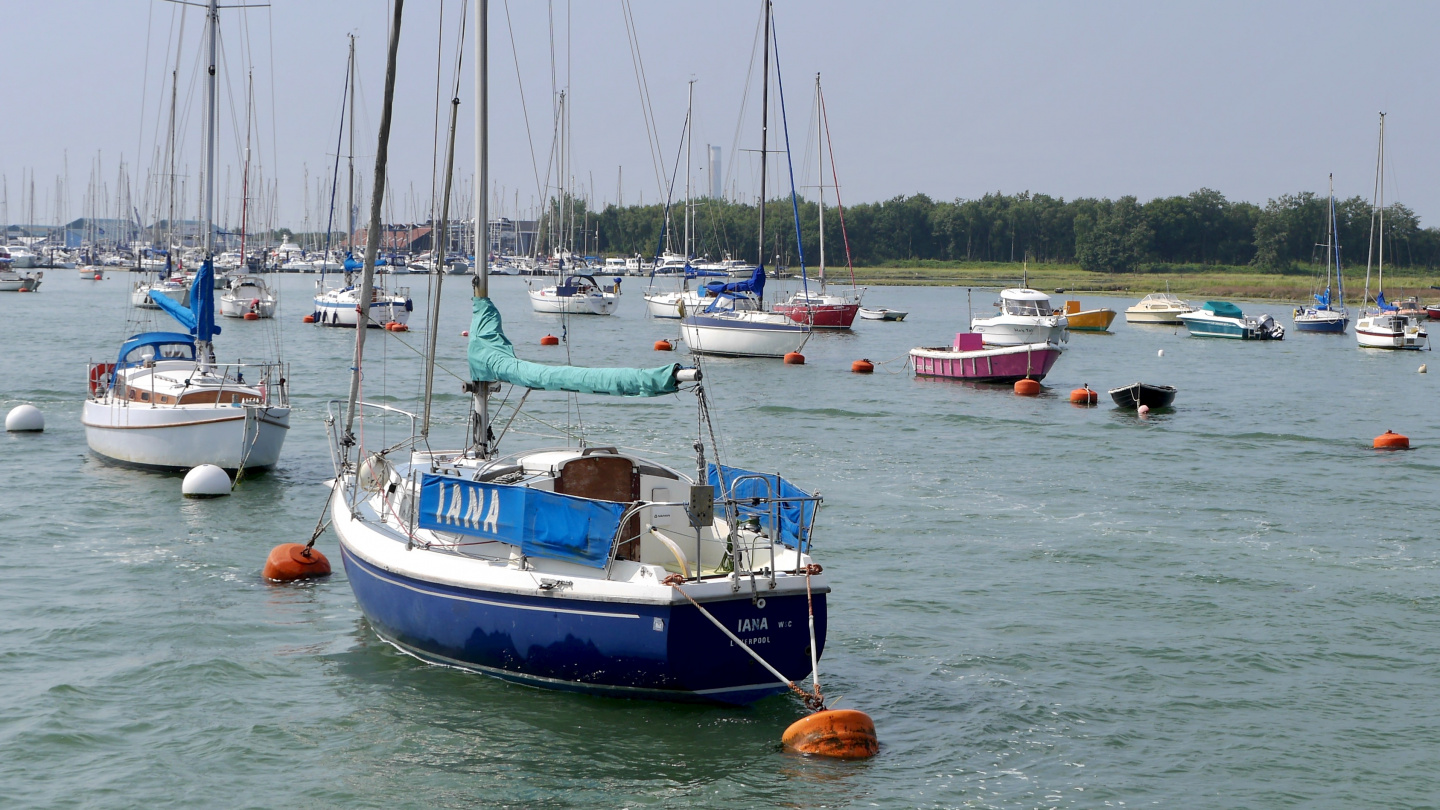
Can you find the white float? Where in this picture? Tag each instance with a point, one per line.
(206, 481)
(25, 419)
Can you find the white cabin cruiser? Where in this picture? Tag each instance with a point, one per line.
(1025, 317)
(248, 294)
(578, 295)
(1158, 308)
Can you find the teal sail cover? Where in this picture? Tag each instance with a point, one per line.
(1224, 309)
(492, 357)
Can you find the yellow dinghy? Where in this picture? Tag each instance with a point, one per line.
(1090, 320)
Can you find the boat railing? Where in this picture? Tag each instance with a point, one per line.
(333, 409)
(772, 534)
(270, 379)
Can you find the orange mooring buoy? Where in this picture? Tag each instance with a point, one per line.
(664, 346)
(291, 561)
(1392, 441)
(308, 319)
(549, 340)
(862, 367)
(1084, 396)
(838, 733)
(252, 316)
(794, 359)
(1027, 387)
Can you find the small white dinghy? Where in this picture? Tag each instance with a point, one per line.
(882, 314)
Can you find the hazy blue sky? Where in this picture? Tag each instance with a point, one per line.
(946, 98)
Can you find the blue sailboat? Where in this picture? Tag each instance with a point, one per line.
(1326, 315)
(577, 568)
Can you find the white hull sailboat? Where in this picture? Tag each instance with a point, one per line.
(579, 295)
(1382, 325)
(165, 402)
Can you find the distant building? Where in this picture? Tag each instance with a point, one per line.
(398, 238)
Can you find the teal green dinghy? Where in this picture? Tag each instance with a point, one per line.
(1222, 319)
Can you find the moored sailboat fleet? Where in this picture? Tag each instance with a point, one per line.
(582, 568)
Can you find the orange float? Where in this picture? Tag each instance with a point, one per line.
(862, 367)
(1084, 396)
(664, 346)
(794, 359)
(1392, 441)
(308, 319)
(1027, 387)
(291, 561)
(837, 733)
(549, 340)
(251, 316)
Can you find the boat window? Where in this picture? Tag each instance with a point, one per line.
(1026, 308)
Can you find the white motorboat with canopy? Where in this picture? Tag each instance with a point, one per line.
(1025, 317)
(578, 568)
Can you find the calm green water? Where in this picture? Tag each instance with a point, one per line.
(1231, 605)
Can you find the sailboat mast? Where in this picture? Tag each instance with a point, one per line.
(350, 184)
(1380, 183)
(820, 174)
(245, 173)
(372, 235)
(480, 389)
(442, 245)
(689, 113)
(764, 127)
(214, 24)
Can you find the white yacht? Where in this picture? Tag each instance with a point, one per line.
(1024, 317)
(1158, 308)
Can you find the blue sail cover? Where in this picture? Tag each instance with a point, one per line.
(199, 317)
(795, 516)
(691, 272)
(1384, 305)
(492, 357)
(352, 264)
(542, 524)
(754, 284)
(1322, 300)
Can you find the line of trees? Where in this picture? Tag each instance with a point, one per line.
(1123, 235)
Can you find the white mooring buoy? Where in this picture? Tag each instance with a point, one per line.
(24, 419)
(206, 481)
(1161, 354)
(1423, 369)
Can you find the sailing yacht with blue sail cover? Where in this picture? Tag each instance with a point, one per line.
(1326, 315)
(578, 568)
(728, 324)
(165, 403)
(1383, 325)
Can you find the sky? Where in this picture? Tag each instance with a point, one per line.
(949, 99)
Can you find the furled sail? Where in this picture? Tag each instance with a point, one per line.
(492, 357)
(755, 284)
(199, 317)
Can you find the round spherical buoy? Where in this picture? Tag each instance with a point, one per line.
(1143, 410)
(308, 319)
(206, 481)
(794, 359)
(663, 345)
(549, 340)
(291, 561)
(24, 419)
(837, 733)
(1027, 387)
(1392, 441)
(99, 277)
(1423, 368)
(1084, 396)
(465, 333)
(252, 316)
(862, 367)
(1161, 353)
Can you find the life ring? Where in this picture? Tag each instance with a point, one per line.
(99, 373)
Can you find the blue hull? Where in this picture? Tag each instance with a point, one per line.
(619, 649)
(1326, 327)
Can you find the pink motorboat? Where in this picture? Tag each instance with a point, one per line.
(970, 359)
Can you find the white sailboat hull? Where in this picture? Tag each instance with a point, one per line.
(1390, 331)
(545, 300)
(186, 436)
(743, 334)
(341, 308)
